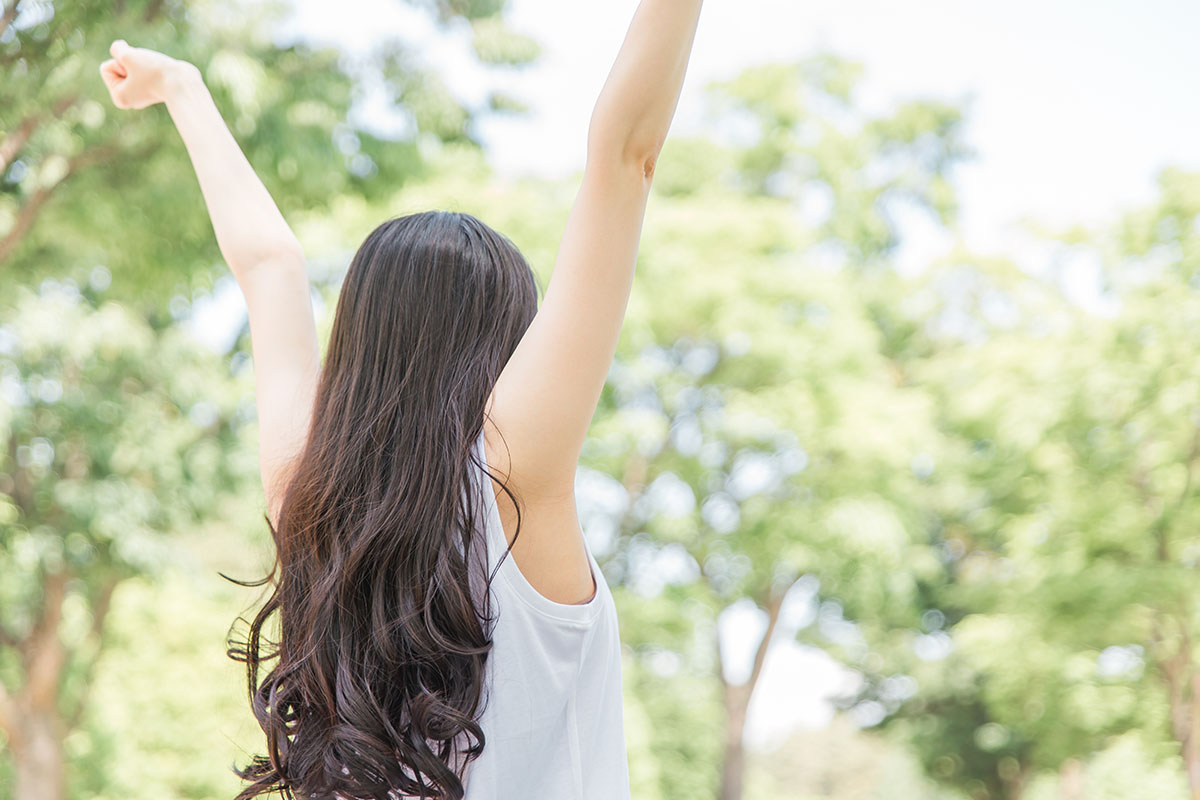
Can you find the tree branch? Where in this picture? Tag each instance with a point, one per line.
(11, 144)
(1174, 670)
(29, 212)
(10, 13)
(720, 653)
(99, 612)
(8, 718)
(44, 654)
(14, 141)
(22, 491)
(1162, 525)
(773, 605)
(7, 638)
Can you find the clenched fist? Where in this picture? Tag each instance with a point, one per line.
(137, 77)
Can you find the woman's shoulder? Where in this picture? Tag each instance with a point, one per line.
(549, 564)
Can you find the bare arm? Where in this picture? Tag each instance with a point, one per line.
(638, 100)
(254, 239)
(545, 397)
(547, 394)
(249, 228)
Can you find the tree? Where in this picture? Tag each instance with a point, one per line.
(750, 420)
(1064, 503)
(115, 435)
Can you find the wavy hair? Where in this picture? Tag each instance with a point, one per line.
(378, 683)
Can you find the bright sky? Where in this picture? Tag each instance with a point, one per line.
(1073, 107)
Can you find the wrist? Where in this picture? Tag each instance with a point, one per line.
(180, 78)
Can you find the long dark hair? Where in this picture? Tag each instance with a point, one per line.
(382, 645)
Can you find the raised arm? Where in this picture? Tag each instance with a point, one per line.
(256, 242)
(545, 397)
(638, 100)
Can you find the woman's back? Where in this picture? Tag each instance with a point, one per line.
(552, 716)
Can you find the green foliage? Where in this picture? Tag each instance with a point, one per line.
(681, 753)
(115, 436)
(809, 141)
(990, 490)
(494, 43)
(170, 714)
(841, 761)
(1063, 500)
(98, 185)
(1127, 769)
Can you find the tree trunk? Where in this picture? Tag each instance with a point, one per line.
(40, 767)
(1183, 684)
(1014, 786)
(31, 716)
(1190, 742)
(733, 770)
(1183, 698)
(1070, 780)
(736, 699)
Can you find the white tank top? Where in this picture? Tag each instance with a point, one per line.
(553, 720)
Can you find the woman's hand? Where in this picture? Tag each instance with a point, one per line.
(137, 77)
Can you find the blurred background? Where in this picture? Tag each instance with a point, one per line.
(894, 474)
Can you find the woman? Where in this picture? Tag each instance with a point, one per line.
(426, 649)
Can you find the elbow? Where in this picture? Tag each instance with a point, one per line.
(641, 154)
(286, 250)
(644, 149)
(281, 253)
(632, 146)
(648, 163)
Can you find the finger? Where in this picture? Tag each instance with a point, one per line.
(118, 48)
(117, 68)
(111, 82)
(112, 73)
